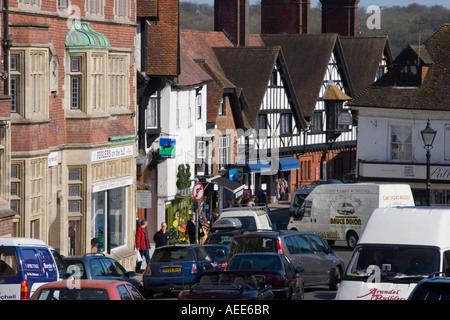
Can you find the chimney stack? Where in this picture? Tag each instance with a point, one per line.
(285, 16)
(340, 16)
(233, 17)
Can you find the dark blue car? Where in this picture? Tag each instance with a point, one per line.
(175, 267)
(97, 266)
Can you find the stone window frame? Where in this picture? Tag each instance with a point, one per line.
(98, 79)
(33, 73)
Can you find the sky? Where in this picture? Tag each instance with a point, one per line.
(363, 3)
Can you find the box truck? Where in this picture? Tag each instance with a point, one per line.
(398, 248)
(340, 211)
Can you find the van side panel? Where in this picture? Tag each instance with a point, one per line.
(338, 209)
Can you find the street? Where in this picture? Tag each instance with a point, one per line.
(280, 218)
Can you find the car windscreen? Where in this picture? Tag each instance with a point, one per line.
(393, 263)
(170, 254)
(248, 223)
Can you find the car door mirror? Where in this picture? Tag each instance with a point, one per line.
(299, 269)
(130, 274)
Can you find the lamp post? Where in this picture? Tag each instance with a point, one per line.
(428, 135)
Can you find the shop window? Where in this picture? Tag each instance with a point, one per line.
(108, 220)
(75, 209)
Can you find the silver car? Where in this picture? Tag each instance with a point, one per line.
(304, 249)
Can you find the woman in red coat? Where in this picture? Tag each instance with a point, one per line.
(142, 244)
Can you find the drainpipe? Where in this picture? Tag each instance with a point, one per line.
(6, 44)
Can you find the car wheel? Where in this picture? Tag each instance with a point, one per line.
(335, 278)
(352, 239)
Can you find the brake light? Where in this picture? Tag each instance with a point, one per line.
(24, 292)
(279, 247)
(148, 271)
(194, 269)
(223, 265)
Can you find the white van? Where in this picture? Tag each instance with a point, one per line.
(398, 248)
(251, 218)
(340, 211)
(26, 264)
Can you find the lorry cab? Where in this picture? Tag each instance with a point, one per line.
(398, 248)
(340, 211)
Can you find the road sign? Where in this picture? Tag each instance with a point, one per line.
(198, 191)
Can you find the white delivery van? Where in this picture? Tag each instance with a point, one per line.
(340, 211)
(398, 248)
(251, 218)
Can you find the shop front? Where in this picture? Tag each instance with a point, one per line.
(413, 174)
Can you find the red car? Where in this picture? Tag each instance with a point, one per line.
(87, 290)
(274, 270)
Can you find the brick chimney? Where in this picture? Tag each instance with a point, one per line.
(232, 16)
(285, 16)
(340, 16)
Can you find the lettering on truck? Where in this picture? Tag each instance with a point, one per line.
(346, 221)
(329, 235)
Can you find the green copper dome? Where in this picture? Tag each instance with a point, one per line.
(81, 35)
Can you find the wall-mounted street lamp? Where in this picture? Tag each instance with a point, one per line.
(428, 135)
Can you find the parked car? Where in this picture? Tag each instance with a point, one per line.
(304, 249)
(227, 285)
(26, 264)
(175, 267)
(274, 270)
(97, 266)
(219, 253)
(87, 290)
(435, 287)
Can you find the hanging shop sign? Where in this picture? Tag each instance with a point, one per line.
(167, 148)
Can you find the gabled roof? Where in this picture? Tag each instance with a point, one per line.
(307, 57)
(363, 56)
(191, 74)
(249, 68)
(433, 94)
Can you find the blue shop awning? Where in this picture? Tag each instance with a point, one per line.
(258, 166)
(289, 164)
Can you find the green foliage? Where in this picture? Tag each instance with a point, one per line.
(183, 176)
(403, 25)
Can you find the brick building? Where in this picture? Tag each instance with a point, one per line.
(73, 97)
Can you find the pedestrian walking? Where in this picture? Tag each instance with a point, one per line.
(142, 244)
(161, 237)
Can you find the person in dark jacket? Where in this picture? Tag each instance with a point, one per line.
(142, 244)
(162, 236)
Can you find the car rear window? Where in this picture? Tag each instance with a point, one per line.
(8, 262)
(172, 254)
(255, 262)
(72, 294)
(432, 291)
(253, 244)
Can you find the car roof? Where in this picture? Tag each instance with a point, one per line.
(85, 283)
(278, 233)
(16, 241)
